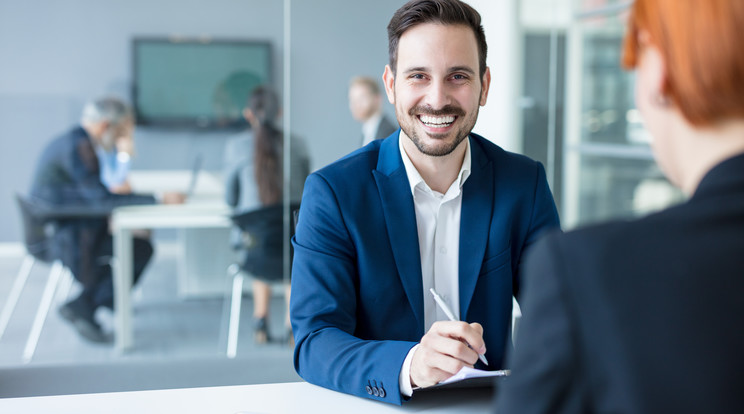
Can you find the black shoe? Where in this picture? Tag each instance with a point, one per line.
(84, 323)
(260, 331)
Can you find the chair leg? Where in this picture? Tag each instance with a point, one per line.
(234, 324)
(15, 292)
(65, 284)
(41, 314)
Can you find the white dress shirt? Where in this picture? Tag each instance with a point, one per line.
(438, 224)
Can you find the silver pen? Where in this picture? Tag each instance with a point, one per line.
(438, 299)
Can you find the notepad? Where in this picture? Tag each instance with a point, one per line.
(470, 377)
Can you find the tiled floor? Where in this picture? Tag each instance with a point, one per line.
(166, 329)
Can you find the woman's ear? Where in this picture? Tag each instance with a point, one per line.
(652, 63)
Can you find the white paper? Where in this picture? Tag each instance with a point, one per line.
(467, 372)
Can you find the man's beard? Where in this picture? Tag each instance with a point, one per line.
(407, 124)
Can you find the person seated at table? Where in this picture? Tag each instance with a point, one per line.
(254, 178)
(68, 175)
(433, 206)
(646, 316)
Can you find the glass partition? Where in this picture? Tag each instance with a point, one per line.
(178, 317)
(608, 166)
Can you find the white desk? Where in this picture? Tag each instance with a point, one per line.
(203, 215)
(297, 397)
(208, 184)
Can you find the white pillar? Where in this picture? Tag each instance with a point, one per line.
(501, 119)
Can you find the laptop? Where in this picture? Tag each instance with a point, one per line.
(195, 170)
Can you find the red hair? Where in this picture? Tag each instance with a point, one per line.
(701, 43)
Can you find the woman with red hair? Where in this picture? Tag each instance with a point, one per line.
(648, 316)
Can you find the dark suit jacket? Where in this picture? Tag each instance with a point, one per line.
(67, 175)
(385, 128)
(639, 317)
(357, 296)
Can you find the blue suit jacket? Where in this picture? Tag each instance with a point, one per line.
(357, 294)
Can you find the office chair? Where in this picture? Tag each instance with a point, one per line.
(261, 253)
(36, 233)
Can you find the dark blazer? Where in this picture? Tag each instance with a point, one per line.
(639, 317)
(357, 296)
(67, 175)
(385, 128)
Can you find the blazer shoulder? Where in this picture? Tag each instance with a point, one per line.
(502, 158)
(358, 163)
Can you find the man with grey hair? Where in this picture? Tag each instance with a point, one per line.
(68, 175)
(365, 104)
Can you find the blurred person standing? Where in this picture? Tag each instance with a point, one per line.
(68, 175)
(365, 104)
(254, 178)
(646, 316)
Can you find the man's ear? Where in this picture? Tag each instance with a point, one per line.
(485, 84)
(100, 128)
(389, 80)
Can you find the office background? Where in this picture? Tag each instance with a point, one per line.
(558, 95)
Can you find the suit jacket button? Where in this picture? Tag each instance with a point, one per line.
(369, 389)
(382, 392)
(375, 392)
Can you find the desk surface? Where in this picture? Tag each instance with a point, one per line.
(208, 184)
(296, 397)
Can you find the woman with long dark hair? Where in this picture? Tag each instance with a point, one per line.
(255, 179)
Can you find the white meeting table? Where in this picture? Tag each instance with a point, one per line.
(124, 221)
(294, 397)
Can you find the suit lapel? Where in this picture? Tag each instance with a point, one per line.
(400, 220)
(475, 222)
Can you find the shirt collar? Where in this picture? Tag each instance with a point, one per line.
(415, 179)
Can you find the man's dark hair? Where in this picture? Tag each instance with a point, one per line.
(446, 12)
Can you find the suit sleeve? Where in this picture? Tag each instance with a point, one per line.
(324, 303)
(544, 362)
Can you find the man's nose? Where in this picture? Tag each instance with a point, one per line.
(437, 96)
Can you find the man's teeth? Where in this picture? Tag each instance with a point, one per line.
(437, 121)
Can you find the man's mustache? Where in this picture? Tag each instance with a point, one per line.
(428, 110)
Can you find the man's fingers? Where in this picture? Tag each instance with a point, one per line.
(471, 334)
(444, 350)
(430, 367)
(451, 347)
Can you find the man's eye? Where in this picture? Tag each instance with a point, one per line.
(417, 76)
(459, 77)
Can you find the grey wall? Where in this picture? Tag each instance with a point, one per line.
(332, 41)
(55, 55)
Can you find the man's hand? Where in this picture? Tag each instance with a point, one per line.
(174, 198)
(444, 350)
(124, 188)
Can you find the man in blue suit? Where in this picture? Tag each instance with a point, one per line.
(431, 206)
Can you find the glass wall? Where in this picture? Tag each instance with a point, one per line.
(180, 309)
(591, 136)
